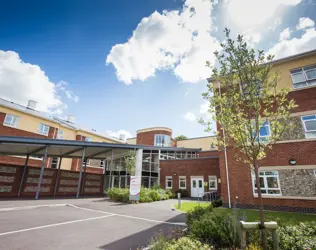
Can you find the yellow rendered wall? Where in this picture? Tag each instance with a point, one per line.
(95, 138)
(203, 142)
(27, 122)
(131, 141)
(283, 69)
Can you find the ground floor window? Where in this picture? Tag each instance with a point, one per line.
(212, 182)
(269, 183)
(168, 181)
(182, 182)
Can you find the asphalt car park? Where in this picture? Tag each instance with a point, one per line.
(84, 224)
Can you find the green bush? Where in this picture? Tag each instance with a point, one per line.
(169, 193)
(216, 230)
(298, 237)
(183, 192)
(118, 194)
(145, 195)
(217, 203)
(197, 212)
(186, 243)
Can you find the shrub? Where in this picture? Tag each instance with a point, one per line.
(169, 193)
(197, 212)
(145, 195)
(118, 194)
(217, 230)
(159, 242)
(217, 203)
(183, 192)
(298, 237)
(186, 243)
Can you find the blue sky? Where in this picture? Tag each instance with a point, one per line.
(119, 66)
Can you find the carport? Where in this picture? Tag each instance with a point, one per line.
(23, 146)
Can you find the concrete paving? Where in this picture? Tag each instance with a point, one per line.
(84, 224)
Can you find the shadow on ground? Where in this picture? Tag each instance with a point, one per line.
(142, 239)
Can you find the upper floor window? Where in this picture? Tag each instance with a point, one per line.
(309, 122)
(269, 183)
(43, 129)
(89, 139)
(11, 121)
(162, 140)
(60, 134)
(264, 132)
(304, 77)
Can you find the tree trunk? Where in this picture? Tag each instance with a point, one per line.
(261, 227)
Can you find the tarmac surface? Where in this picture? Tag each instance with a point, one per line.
(84, 224)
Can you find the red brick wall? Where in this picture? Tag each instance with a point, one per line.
(19, 161)
(304, 98)
(148, 138)
(240, 175)
(209, 153)
(194, 167)
(8, 131)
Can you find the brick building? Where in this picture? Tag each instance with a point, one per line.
(288, 174)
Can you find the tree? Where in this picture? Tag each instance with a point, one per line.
(244, 98)
(130, 162)
(181, 137)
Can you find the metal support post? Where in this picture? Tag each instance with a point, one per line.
(23, 174)
(80, 174)
(111, 165)
(179, 200)
(41, 175)
(57, 177)
(84, 176)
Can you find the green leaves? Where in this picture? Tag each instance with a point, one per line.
(246, 98)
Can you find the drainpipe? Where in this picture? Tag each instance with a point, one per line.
(225, 155)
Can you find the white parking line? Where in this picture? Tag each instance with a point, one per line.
(54, 225)
(128, 216)
(7, 209)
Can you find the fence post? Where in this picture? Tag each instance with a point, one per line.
(179, 200)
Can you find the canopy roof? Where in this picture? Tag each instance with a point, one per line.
(11, 145)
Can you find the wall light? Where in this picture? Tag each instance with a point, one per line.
(292, 162)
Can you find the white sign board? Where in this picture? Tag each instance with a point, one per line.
(134, 189)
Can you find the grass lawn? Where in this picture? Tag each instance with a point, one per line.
(253, 215)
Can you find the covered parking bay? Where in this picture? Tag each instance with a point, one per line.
(25, 181)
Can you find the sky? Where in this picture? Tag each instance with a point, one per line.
(119, 66)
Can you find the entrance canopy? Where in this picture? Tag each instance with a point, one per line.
(10, 145)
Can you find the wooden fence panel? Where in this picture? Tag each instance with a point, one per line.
(10, 177)
(93, 184)
(32, 178)
(67, 182)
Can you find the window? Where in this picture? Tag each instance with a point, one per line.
(54, 163)
(182, 182)
(304, 77)
(60, 134)
(89, 139)
(162, 140)
(43, 129)
(11, 121)
(269, 183)
(169, 182)
(309, 123)
(264, 132)
(212, 182)
(84, 161)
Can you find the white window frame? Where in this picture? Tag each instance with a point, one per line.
(13, 121)
(183, 178)
(159, 143)
(51, 164)
(306, 80)
(253, 179)
(169, 178)
(212, 177)
(60, 134)
(308, 131)
(40, 129)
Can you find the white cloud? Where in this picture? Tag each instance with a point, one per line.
(248, 14)
(190, 116)
(204, 108)
(21, 81)
(296, 45)
(276, 23)
(118, 133)
(285, 34)
(171, 40)
(63, 86)
(304, 23)
(251, 36)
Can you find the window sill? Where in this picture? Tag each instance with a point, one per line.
(297, 140)
(286, 197)
(302, 88)
(9, 126)
(182, 188)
